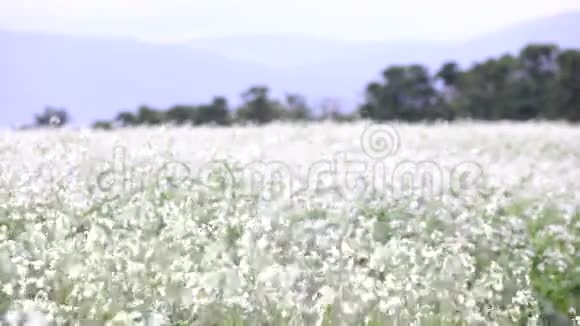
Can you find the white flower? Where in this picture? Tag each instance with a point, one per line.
(327, 295)
(8, 289)
(84, 217)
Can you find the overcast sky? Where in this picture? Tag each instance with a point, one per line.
(172, 20)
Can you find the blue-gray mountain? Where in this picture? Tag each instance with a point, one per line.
(96, 78)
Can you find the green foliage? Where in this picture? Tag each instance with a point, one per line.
(105, 125)
(150, 116)
(406, 93)
(216, 112)
(567, 99)
(258, 108)
(296, 108)
(52, 117)
(181, 114)
(558, 287)
(126, 119)
(541, 82)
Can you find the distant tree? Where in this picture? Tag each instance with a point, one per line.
(542, 81)
(508, 87)
(488, 87)
(258, 107)
(450, 74)
(56, 117)
(102, 124)
(149, 116)
(126, 119)
(181, 114)
(372, 108)
(567, 97)
(217, 112)
(406, 93)
(297, 108)
(540, 60)
(532, 90)
(450, 98)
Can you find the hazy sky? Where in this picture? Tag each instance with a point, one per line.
(168, 20)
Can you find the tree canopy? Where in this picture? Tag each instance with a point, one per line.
(542, 81)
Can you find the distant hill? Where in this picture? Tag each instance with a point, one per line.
(292, 51)
(560, 29)
(296, 51)
(96, 78)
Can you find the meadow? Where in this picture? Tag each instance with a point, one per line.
(463, 223)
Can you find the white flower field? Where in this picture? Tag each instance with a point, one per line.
(288, 224)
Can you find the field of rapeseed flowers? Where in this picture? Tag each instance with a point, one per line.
(314, 224)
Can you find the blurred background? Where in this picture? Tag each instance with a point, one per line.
(113, 63)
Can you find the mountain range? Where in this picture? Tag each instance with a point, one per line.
(96, 78)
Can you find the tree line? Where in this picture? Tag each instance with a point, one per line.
(541, 82)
